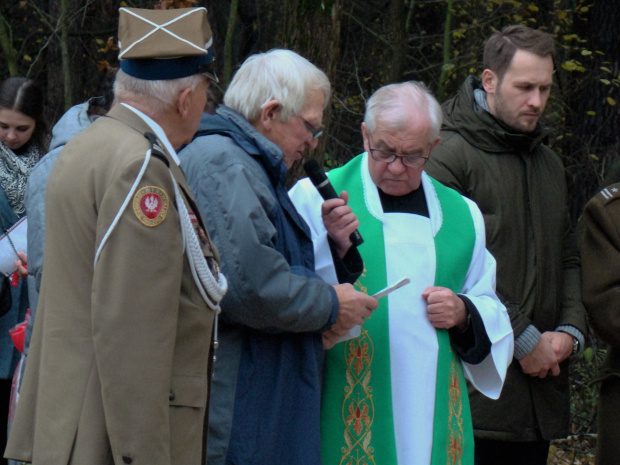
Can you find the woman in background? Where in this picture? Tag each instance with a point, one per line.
(24, 139)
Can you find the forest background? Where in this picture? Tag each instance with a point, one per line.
(69, 45)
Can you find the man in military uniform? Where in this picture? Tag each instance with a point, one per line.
(119, 360)
(600, 275)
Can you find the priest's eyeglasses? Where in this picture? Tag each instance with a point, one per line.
(385, 156)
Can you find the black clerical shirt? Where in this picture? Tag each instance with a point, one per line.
(471, 344)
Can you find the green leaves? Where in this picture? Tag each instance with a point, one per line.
(573, 65)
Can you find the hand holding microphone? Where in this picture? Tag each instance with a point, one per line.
(322, 184)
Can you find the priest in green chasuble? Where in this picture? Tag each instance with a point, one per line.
(395, 392)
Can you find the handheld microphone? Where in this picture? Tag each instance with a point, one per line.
(322, 184)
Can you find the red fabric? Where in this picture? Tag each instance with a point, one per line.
(18, 332)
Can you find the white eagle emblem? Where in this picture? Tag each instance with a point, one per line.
(152, 203)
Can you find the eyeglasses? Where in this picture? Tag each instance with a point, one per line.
(385, 156)
(316, 133)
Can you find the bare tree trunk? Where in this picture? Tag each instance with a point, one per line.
(64, 52)
(52, 57)
(7, 45)
(409, 15)
(334, 40)
(230, 31)
(315, 34)
(441, 90)
(399, 33)
(331, 67)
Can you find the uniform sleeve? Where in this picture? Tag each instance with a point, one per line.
(600, 267)
(135, 308)
(479, 287)
(265, 293)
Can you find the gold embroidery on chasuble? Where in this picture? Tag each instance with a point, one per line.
(358, 409)
(456, 436)
(358, 283)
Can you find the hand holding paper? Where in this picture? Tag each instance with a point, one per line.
(12, 242)
(357, 330)
(382, 293)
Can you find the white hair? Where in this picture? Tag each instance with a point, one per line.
(280, 75)
(393, 105)
(156, 96)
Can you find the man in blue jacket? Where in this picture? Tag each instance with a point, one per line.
(265, 400)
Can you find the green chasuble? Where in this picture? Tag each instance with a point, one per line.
(357, 424)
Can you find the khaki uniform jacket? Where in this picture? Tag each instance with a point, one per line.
(600, 267)
(118, 365)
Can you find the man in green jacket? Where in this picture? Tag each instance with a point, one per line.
(492, 152)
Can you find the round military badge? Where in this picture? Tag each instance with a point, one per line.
(150, 204)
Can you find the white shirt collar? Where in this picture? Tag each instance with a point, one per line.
(159, 132)
(373, 202)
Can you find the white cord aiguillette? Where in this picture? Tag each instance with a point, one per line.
(211, 289)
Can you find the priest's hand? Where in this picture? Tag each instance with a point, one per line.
(445, 309)
(340, 222)
(542, 360)
(354, 308)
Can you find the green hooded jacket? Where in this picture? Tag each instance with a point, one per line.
(519, 185)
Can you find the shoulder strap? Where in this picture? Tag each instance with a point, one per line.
(156, 150)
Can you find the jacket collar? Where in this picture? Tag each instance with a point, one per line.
(268, 154)
(141, 123)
